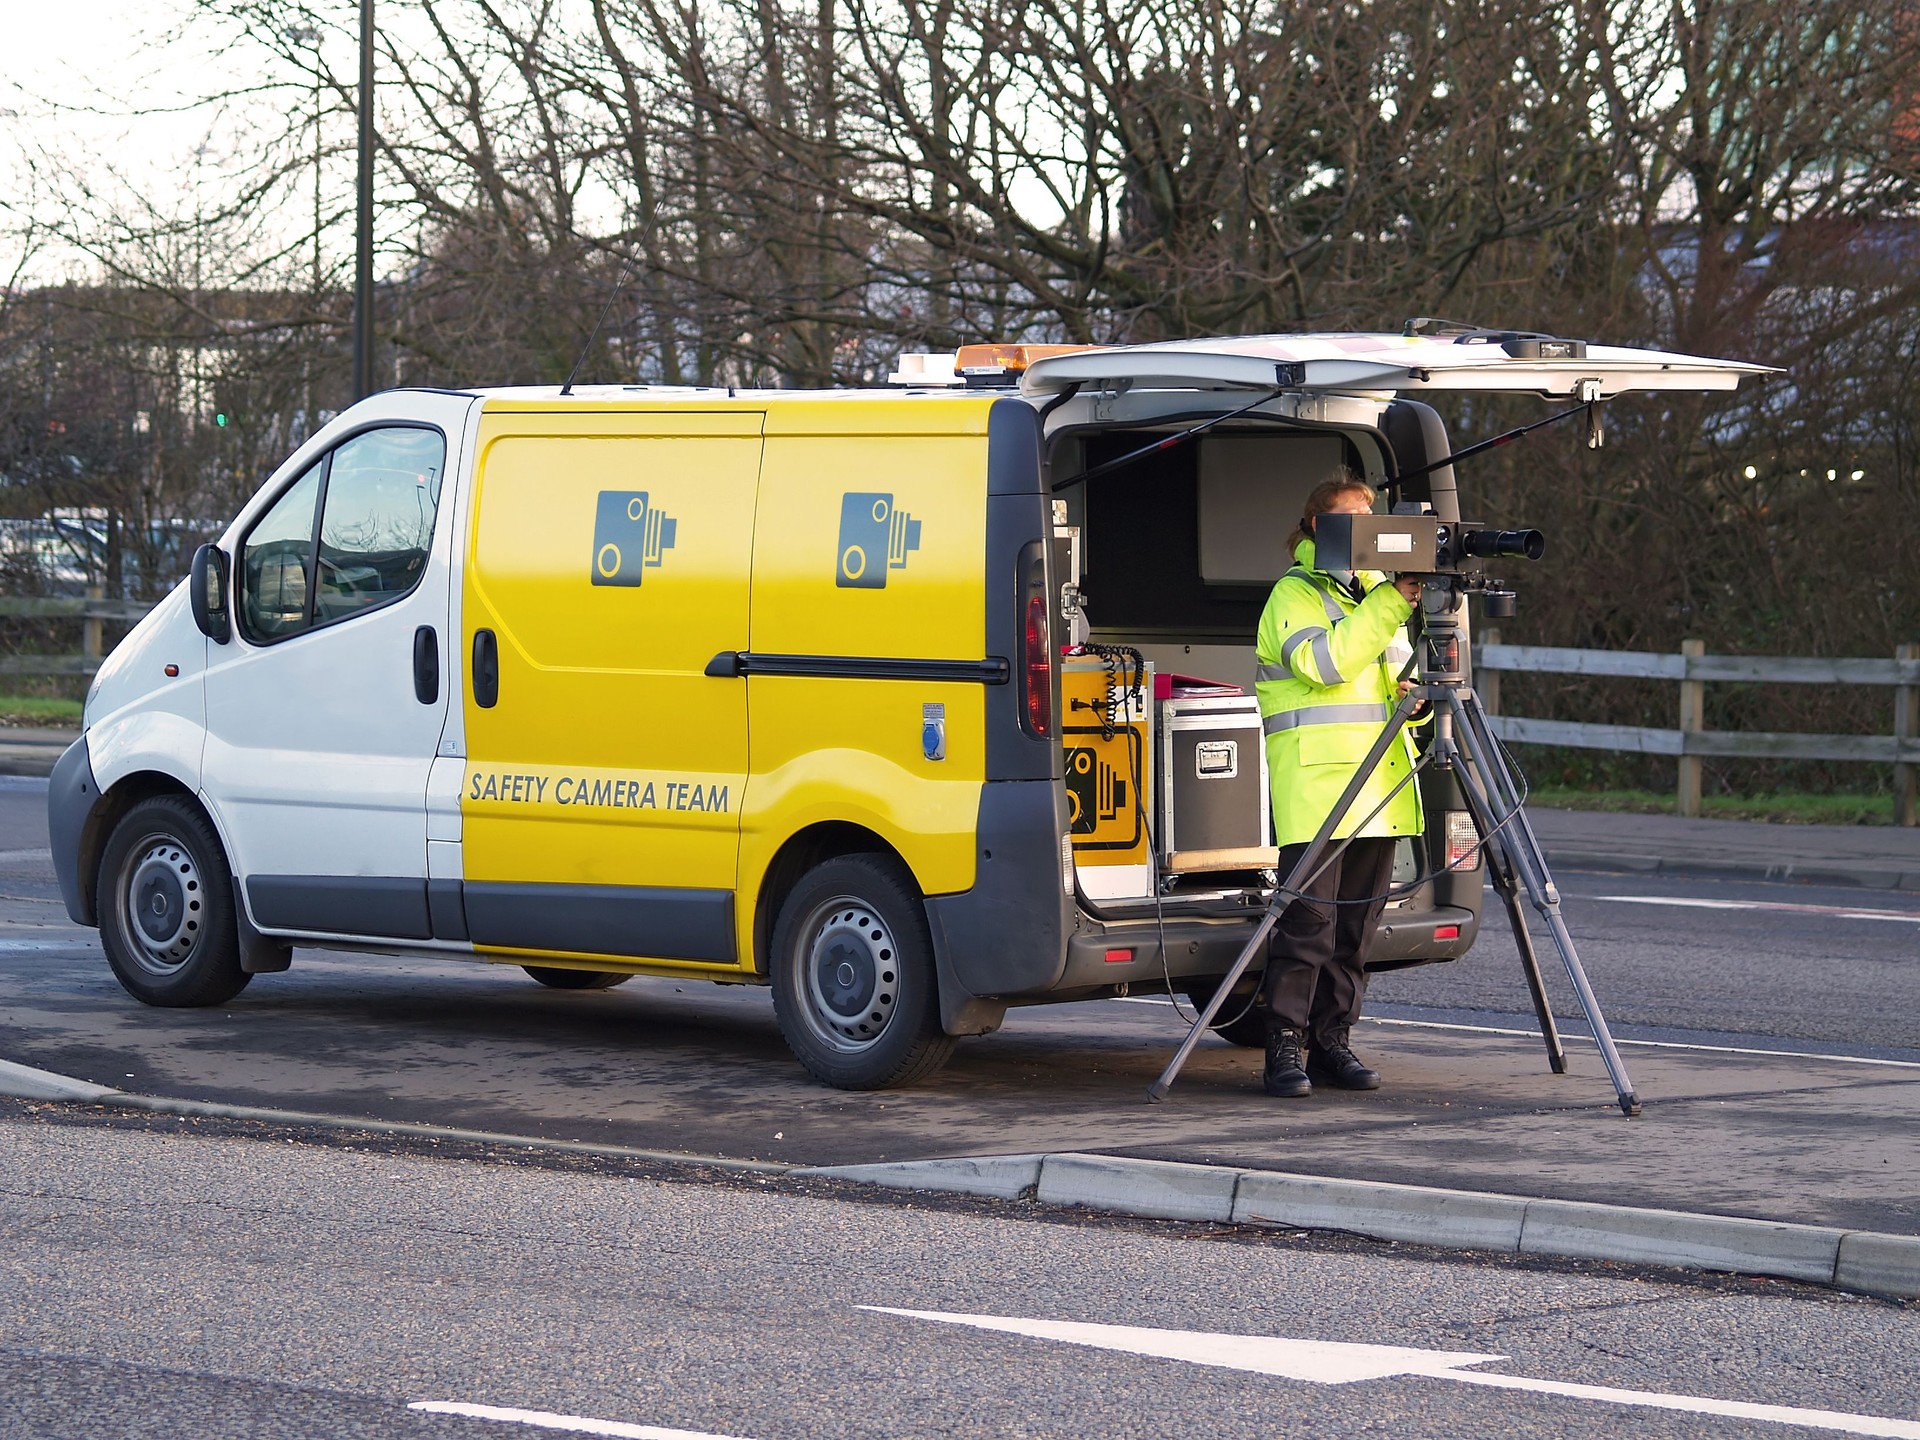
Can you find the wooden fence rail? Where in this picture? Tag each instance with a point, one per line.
(1692, 669)
(92, 611)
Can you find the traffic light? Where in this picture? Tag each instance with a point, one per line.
(221, 419)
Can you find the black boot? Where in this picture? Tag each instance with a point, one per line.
(1286, 1074)
(1337, 1065)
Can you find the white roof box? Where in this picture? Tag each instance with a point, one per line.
(1500, 361)
(924, 369)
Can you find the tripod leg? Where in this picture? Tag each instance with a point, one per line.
(1304, 869)
(1501, 869)
(1522, 846)
(1482, 805)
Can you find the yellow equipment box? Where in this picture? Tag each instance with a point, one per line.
(1108, 738)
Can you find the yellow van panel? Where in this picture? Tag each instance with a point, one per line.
(865, 416)
(849, 750)
(622, 420)
(869, 546)
(611, 758)
(872, 546)
(610, 555)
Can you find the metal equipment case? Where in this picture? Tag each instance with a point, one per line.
(1212, 785)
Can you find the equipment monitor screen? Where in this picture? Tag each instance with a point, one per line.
(1251, 493)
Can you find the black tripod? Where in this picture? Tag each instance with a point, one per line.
(1463, 742)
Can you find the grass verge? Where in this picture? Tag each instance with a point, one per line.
(47, 710)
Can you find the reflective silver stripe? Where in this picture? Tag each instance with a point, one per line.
(1292, 643)
(1323, 657)
(1332, 606)
(1264, 673)
(1323, 715)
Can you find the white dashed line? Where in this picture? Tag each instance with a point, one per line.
(576, 1424)
(1644, 1044)
(1783, 907)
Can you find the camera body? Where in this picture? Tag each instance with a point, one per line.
(1414, 544)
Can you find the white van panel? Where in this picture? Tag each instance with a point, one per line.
(1406, 364)
(443, 797)
(138, 717)
(318, 753)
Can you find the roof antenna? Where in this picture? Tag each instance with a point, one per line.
(594, 334)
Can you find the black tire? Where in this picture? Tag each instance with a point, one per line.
(1242, 1024)
(555, 977)
(166, 907)
(853, 980)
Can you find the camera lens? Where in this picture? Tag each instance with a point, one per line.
(1499, 544)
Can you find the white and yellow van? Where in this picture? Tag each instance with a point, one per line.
(766, 687)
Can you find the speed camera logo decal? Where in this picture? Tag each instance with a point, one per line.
(874, 538)
(630, 537)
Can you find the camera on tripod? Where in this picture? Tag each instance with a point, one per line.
(1450, 552)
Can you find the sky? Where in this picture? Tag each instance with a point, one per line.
(72, 74)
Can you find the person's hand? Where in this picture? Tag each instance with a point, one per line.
(1409, 587)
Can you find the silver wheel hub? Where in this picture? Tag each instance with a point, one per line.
(163, 901)
(851, 976)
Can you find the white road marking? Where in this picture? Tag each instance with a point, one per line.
(577, 1424)
(7, 856)
(1657, 1044)
(1785, 907)
(1644, 1044)
(21, 947)
(1323, 1362)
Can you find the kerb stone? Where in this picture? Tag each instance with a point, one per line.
(1159, 1189)
(1387, 1212)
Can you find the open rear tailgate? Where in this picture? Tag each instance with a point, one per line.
(1406, 364)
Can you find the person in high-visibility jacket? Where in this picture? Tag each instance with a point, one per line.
(1326, 690)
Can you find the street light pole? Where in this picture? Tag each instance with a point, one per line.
(363, 258)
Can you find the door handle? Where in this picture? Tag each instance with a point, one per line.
(426, 665)
(486, 669)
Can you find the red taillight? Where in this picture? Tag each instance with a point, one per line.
(1038, 666)
(1119, 957)
(1036, 644)
(1446, 932)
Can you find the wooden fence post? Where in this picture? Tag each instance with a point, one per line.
(91, 629)
(1693, 719)
(1487, 682)
(1906, 724)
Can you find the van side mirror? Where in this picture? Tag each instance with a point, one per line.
(207, 589)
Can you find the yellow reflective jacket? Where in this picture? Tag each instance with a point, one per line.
(1325, 690)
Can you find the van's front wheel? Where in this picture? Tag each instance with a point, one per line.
(853, 980)
(166, 907)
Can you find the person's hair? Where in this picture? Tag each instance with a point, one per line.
(1322, 498)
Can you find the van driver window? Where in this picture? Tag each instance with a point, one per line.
(377, 522)
(376, 496)
(273, 568)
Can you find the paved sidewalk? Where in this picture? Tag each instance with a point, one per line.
(26, 750)
(1879, 856)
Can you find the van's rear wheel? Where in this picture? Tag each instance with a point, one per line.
(166, 907)
(555, 977)
(853, 981)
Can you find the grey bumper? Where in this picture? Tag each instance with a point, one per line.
(72, 797)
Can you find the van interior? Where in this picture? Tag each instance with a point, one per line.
(1173, 557)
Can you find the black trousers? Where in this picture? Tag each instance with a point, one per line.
(1316, 958)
